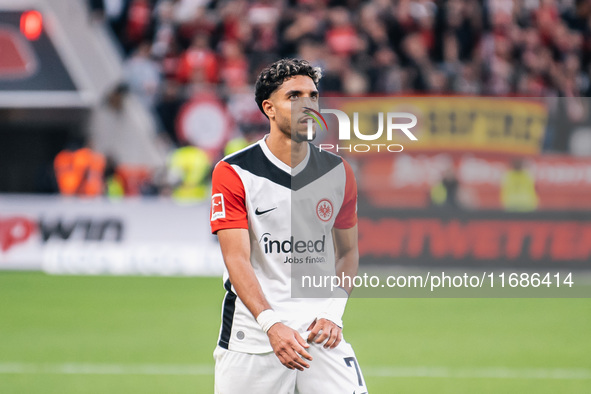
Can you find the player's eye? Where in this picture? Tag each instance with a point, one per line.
(314, 97)
(293, 97)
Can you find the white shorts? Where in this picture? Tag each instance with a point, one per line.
(331, 371)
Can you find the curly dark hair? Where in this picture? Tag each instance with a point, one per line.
(272, 77)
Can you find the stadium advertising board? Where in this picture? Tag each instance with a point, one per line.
(98, 236)
(406, 180)
(444, 237)
(460, 124)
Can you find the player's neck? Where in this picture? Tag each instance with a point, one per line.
(287, 150)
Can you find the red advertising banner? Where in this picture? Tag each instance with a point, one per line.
(443, 237)
(404, 180)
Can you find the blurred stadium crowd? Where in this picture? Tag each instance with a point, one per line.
(176, 50)
(486, 47)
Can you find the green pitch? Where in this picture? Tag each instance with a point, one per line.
(74, 335)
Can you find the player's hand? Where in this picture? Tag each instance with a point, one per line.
(329, 330)
(289, 346)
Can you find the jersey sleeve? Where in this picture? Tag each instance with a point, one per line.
(347, 216)
(228, 199)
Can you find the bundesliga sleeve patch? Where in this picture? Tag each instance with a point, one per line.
(218, 209)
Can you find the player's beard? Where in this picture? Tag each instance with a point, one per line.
(300, 136)
(299, 131)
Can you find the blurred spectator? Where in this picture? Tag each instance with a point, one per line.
(135, 180)
(385, 75)
(341, 37)
(142, 75)
(249, 119)
(233, 66)
(234, 145)
(110, 119)
(137, 28)
(114, 12)
(114, 131)
(299, 26)
(264, 17)
(186, 10)
(164, 29)
(198, 64)
(113, 181)
(445, 192)
(168, 107)
(188, 172)
(80, 172)
(518, 190)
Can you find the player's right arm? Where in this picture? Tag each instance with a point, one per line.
(287, 343)
(229, 222)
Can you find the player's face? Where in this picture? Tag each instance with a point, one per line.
(289, 102)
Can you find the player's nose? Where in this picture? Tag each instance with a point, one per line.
(309, 102)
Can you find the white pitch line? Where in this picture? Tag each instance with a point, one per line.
(369, 371)
(486, 373)
(105, 369)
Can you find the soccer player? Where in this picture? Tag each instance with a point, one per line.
(278, 204)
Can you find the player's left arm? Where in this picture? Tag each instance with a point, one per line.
(347, 254)
(328, 325)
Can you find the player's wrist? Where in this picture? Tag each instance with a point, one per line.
(267, 319)
(335, 308)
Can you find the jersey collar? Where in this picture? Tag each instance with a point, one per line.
(281, 165)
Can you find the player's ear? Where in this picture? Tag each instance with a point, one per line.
(269, 109)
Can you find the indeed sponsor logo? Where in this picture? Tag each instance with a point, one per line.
(291, 245)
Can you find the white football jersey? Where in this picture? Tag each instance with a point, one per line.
(289, 214)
